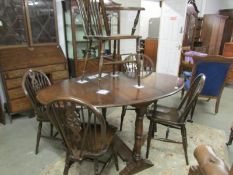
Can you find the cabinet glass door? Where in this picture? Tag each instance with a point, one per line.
(42, 21)
(12, 24)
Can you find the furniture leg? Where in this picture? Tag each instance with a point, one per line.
(122, 116)
(217, 105)
(38, 137)
(96, 167)
(51, 130)
(192, 111)
(184, 143)
(104, 113)
(150, 133)
(86, 59)
(68, 163)
(101, 61)
(230, 137)
(137, 163)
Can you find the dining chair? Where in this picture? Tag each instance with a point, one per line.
(175, 117)
(84, 131)
(130, 70)
(215, 68)
(97, 30)
(33, 81)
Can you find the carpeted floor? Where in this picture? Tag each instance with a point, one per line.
(168, 158)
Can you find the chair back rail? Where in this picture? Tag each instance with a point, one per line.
(191, 97)
(81, 126)
(130, 66)
(33, 81)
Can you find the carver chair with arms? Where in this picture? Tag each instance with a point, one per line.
(33, 81)
(175, 117)
(97, 29)
(84, 131)
(215, 68)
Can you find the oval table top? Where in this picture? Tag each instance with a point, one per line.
(122, 90)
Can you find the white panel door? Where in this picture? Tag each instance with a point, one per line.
(171, 36)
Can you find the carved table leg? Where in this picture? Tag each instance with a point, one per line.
(137, 163)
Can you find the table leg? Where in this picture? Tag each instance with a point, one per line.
(137, 163)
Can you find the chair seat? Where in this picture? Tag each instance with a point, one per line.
(110, 132)
(112, 37)
(165, 115)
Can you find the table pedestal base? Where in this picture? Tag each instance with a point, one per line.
(134, 167)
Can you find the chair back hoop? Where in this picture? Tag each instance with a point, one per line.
(191, 97)
(81, 126)
(33, 81)
(93, 14)
(130, 66)
(215, 68)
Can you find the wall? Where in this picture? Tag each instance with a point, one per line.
(152, 10)
(213, 6)
(127, 20)
(60, 23)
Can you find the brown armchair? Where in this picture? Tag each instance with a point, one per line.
(208, 163)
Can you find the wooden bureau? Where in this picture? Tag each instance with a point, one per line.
(14, 62)
(228, 52)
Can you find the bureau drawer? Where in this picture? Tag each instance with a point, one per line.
(13, 83)
(60, 75)
(46, 69)
(21, 104)
(15, 93)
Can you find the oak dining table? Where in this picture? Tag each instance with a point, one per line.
(117, 91)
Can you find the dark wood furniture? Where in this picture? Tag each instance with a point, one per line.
(28, 39)
(208, 163)
(14, 62)
(151, 48)
(32, 82)
(228, 28)
(228, 52)
(97, 29)
(129, 69)
(121, 92)
(212, 33)
(175, 117)
(215, 68)
(84, 131)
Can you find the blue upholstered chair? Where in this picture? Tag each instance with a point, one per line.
(215, 68)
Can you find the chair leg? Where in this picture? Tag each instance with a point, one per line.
(185, 143)
(150, 132)
(38, 137)
(154, 129)
(122, 116)
(51, 130)
(217, 105)
(230, 138)
(182, 93)
(68, 163)
(167, 132)
(115, 160)
(96, 167)
(104, 113)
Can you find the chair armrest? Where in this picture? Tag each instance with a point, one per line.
(208, 162)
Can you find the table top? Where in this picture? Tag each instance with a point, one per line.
(122, 90)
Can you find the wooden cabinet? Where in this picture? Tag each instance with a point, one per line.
(14, 62)
(150, 49)
(212, 33)
(228, 28)
(28, 39)
(228, 52)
